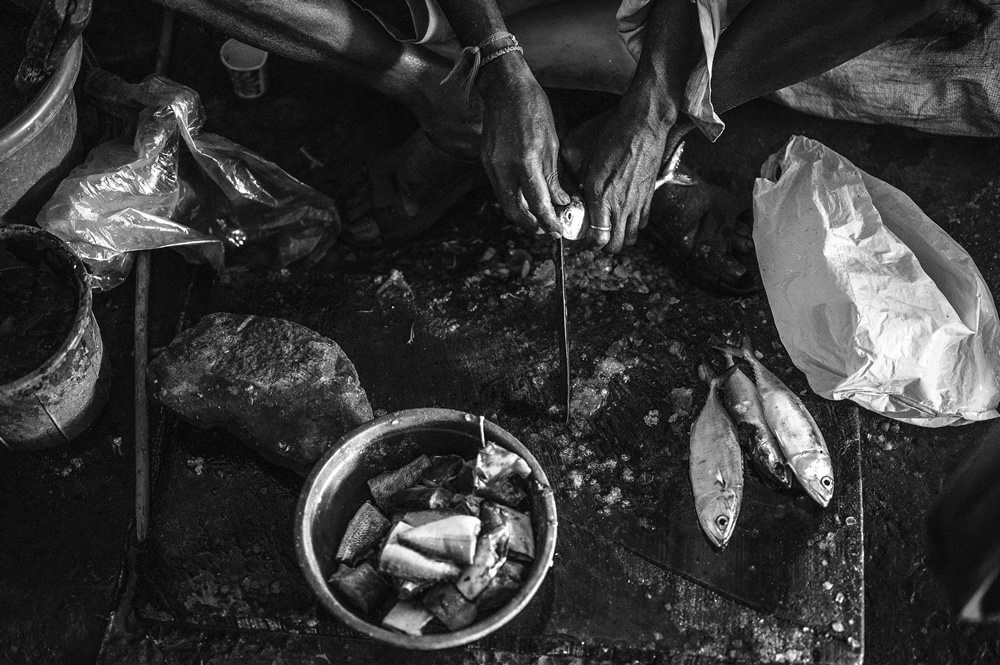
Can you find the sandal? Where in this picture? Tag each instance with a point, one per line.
(383, 209)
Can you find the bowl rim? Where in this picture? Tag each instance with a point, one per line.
(81, 291)
(418, 419)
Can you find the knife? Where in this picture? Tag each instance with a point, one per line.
(570, 219)
(559, 256)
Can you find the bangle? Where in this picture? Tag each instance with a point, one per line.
(473, 57)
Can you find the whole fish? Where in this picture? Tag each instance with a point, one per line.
(740, 397)
(716, 465)
(798, 435)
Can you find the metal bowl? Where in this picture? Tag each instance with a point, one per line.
(337, 487)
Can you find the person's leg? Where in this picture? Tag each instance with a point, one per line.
(772, 44)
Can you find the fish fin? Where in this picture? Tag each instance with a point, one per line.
(729, 351)
(705, 372)
(748, 346)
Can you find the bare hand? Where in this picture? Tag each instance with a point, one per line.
(520, 146)
(621, 174)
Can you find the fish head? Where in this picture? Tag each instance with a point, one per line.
(815, 473)
(718, 516)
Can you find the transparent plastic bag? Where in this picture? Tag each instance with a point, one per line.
(873, 301)
(208, 195)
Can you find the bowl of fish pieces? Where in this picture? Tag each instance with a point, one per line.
(426, 529)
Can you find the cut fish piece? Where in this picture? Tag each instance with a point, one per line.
(491, 554)
(452, 538)
(452, 608)
(504, 586)
(401, 561)
(362, 587)
(365, 529)
(385, 485)
(419, 498)
(522, 536)
(408, 617)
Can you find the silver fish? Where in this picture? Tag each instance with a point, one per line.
(798, 435)
(740, 397)
(716, 466)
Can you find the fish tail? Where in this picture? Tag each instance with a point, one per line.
(705, 372)
(722, 378)
(729, 350)
(747, 346)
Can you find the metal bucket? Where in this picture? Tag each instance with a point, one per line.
(37, 146)
(58, 400)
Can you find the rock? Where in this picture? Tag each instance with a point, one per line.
(282, 388)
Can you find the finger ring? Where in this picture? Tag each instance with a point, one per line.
(601, 228)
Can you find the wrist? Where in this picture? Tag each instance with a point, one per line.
(496, 75)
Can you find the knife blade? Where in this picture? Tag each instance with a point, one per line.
(559, 257)
(571, 219)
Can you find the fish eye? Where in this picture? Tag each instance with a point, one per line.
(827, 482)
(722, 522)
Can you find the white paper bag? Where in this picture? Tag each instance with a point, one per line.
(873, 301)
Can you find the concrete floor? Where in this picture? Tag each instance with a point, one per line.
(68, 512)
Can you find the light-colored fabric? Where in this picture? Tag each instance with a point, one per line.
(913, 83)
(713, 17)
(907, 82)
(698, 95)
(429, 24)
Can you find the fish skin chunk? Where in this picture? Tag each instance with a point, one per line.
(739, 395)
(716, 467)
(384, 485)
(798, 434)
(363, 532)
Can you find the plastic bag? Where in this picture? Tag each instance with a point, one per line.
(873, 301)
(152, 194)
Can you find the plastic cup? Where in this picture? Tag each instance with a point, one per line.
(245, 64)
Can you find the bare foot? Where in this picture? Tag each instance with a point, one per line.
(703, 229)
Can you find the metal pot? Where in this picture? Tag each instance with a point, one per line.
(337, 487)
(37, 146)
(57, 401)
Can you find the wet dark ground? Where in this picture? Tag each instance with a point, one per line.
(68, 512)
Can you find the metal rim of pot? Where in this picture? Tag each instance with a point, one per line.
(44, 105)
(84, 299)
(408, 420)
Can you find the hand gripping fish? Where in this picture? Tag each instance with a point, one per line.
(798, 435)
(716, 465)
(740, 397)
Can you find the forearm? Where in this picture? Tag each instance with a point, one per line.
(671, 48)
(473, 20)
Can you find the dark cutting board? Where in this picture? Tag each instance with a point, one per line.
(466, 328)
